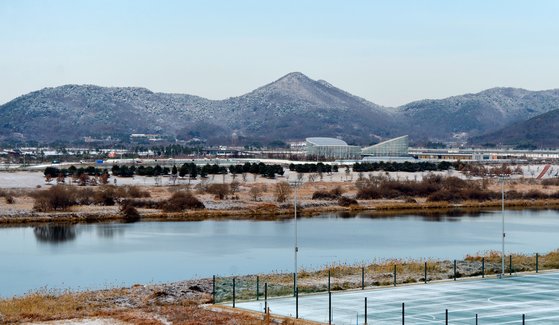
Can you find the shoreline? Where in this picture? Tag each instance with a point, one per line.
(267, 212)
(161, 303)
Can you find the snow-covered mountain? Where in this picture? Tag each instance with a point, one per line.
(290, 108)
(475, 114)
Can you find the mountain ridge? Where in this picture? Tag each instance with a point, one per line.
(541, 131)
(290, 108)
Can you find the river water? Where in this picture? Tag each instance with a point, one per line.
(92, 256)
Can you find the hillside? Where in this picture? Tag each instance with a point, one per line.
(541, 131)
(470, 115)
(290, 108)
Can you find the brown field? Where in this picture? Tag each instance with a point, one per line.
(244, 204)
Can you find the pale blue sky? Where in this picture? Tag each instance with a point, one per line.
(389, 52)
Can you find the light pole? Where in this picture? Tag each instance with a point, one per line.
(296, 248)
(503, 226)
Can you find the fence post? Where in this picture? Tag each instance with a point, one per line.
(483, 267)
(446, 316)
(265, 297)
(365, 310)
(233, 292)
(257, 288)
(213, 289)
(476, 319)
(425, 273)
(537, 263)
(454, 270)
(329, 307)
(362, 278)
(403, 314)
(523, 319)
(510, 264)
(297, 303)
(394, 274)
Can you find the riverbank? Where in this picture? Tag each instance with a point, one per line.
(381, 208)
(272, 199)
(190, 302)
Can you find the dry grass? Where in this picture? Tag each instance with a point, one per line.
(43, 306)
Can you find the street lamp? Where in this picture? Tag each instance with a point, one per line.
(503, 225)
(295, 184)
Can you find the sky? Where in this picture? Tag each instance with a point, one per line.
(389, 52)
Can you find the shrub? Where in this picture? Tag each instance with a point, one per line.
(256, 191)
(477, 194)
(434, 187)
(444, 195)
(333, 194)
(141, 203)
(135, 192)
(9, 199)
(534, 195)
(550, 182)
(323, 195)
(129, 213)
(345, 201)
(106, 195)
(84, 196)
(59, 197)
(219, 190)
(181, 201)
(369, 193)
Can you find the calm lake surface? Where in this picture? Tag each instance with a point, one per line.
(94, 256)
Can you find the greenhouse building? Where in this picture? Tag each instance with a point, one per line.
(397, 147)
(331, 148)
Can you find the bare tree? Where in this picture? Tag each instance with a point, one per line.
(104, 178)
(255, 192)
(312, 177)
(61, 178)
(219, 190)
(234, 186)
(282, 191)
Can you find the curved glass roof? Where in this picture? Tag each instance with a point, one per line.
(319, 141)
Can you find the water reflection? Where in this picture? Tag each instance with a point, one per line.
(55, 233)
(109, 230)
(429, 215)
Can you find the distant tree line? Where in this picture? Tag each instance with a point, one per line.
(262, 169)
(152, 171)
(401, 166)
(168, 151)
(193, 171)
(73, 171)
(313, 168)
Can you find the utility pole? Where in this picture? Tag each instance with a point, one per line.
(503, 226)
